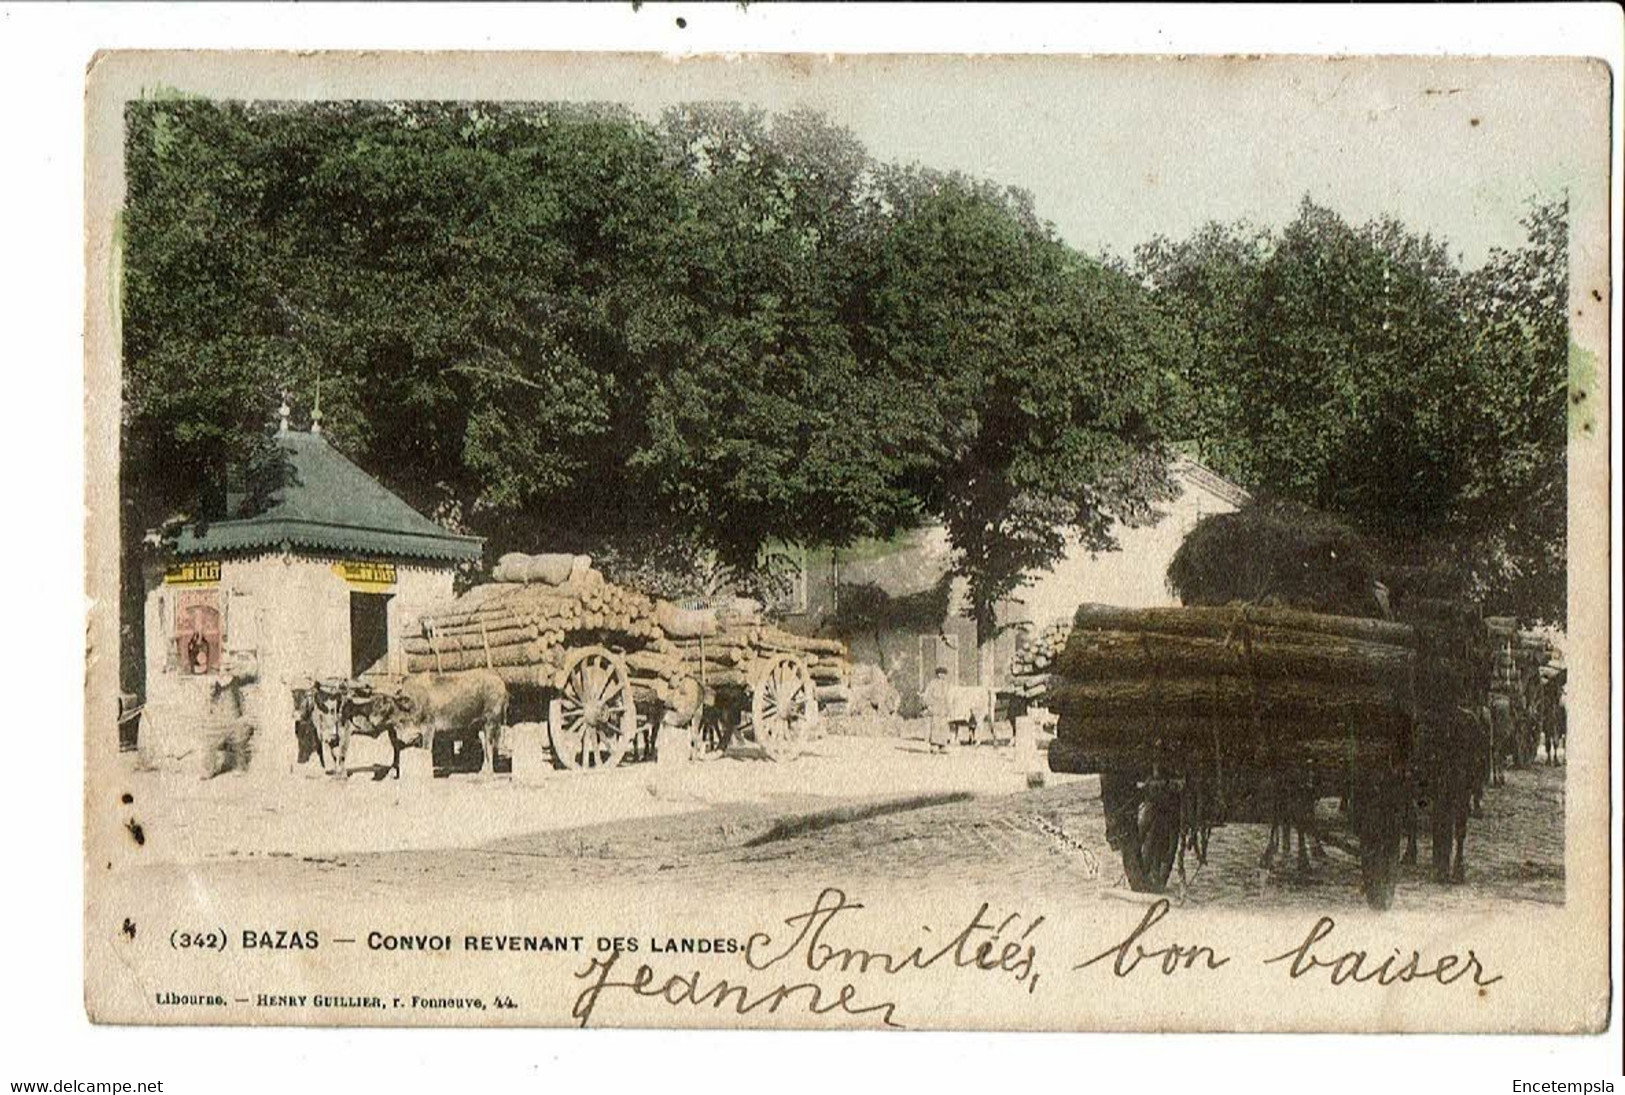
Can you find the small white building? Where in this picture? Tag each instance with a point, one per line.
(1136, 574)
(924, 624)
(325, 581)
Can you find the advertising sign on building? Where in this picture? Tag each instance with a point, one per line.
(366, 574)
(193, 572)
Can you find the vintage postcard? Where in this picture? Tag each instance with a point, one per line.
(861, 542)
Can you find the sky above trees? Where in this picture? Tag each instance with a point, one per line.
(1115, 151)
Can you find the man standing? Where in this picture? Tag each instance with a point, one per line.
(935, 700)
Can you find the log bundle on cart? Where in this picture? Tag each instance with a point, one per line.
(1194, 716)
(526, 630)
(1526, 680)
(1032, 663)
(617, 665)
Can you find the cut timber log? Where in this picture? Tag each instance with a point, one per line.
(517, 654)
(1150, 702)
(496, 621)
(660, 665)
(724, 655)
(1228, 621)
(783, 641)
(1267, 653)
(1303, 756)
(533, 676)
(1029, 686)
(495, 641)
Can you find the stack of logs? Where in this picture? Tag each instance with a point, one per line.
(1034, 658)
(1518, 655)
(1239, 683)
(523, 629)
(526, 630)
(731, 656)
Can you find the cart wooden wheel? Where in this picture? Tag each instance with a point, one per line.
(783, 706)
(596, 717)
(1144, 826)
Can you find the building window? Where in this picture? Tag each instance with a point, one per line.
(199, 635)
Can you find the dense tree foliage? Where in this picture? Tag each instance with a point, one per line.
(573, 328)
(680, 342)
(1361, 371)
(1037, 381)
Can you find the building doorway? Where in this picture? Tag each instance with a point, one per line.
(938, 652)
(369, 633)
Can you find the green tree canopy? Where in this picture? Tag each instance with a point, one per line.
(575, 328)
(1361, 371)
(1037, 381)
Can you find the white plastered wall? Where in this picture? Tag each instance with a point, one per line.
(1134, 576)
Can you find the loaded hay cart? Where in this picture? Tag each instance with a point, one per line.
(1194, 717)
(607, 667)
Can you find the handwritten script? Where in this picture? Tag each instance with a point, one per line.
(820, 969)
(816, 962)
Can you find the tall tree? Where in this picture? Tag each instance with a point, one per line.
(1359, 370)
(1037, 380)
(574, 327)
(1515, 540)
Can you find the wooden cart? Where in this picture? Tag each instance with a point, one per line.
(607, 667)
(601, 710)
(1195, 718)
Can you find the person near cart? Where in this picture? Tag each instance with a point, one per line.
(935, 700)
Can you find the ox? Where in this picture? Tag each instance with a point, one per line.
(1551, 711)
(429, 704)
(1446, 779)
(1503, 723)
(319, 722)
(953, 707)
(328, 712)
(1290, 803)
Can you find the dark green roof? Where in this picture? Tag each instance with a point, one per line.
(329, 504)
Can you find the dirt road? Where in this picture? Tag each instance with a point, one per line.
(857, 811)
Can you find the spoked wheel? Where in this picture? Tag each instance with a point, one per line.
(597, 718)
(1144, 826)
(783, 706)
